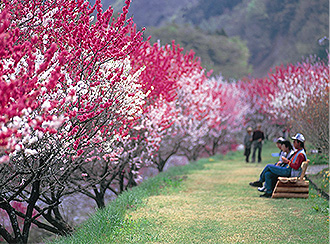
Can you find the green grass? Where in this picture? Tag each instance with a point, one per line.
(317, 159)
(321, 180)
(208, 201)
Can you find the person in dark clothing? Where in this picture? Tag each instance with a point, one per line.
(247, 144)
(257, 137)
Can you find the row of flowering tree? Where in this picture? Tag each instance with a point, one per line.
(295, 98)
(301, 100)
(67, 93)
(86, 104)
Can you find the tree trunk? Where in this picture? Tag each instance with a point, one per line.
(99, 198)
(35, 194)
(14, 224)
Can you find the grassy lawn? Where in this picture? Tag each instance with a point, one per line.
(209, 201)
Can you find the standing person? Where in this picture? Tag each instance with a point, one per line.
(247, 144)
(257, 138)
(293, 167)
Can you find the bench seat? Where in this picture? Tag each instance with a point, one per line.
(293, 187)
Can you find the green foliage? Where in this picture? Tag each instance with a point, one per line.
(311, 23)
(321, 209)
(208, 8)
(276, 31)
(320, 158)
(228, 56)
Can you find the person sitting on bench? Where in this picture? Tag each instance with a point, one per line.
(279, 142)
(292, 169)
(286, 152)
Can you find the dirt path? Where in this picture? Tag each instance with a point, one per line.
(314, 169)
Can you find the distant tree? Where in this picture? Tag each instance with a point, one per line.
(275, 31)
(205, 9)
(228, 56)
(310, 23)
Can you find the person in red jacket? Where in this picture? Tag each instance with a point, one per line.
(293, 169)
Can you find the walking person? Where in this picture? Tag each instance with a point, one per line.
(257, 139)
(247, 144)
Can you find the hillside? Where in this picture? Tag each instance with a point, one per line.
(274, 31)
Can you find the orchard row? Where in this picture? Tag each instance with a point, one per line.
(86, 104)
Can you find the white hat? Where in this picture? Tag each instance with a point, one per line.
(280, 139)
(299, 137)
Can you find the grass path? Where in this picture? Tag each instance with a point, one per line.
(216, 205)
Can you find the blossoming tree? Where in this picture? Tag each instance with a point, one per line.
(226, 116)
(301, 100)
(68, 91)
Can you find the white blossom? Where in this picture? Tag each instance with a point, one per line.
(28, 151)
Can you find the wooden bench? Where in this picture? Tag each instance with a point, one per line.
(293, 187)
